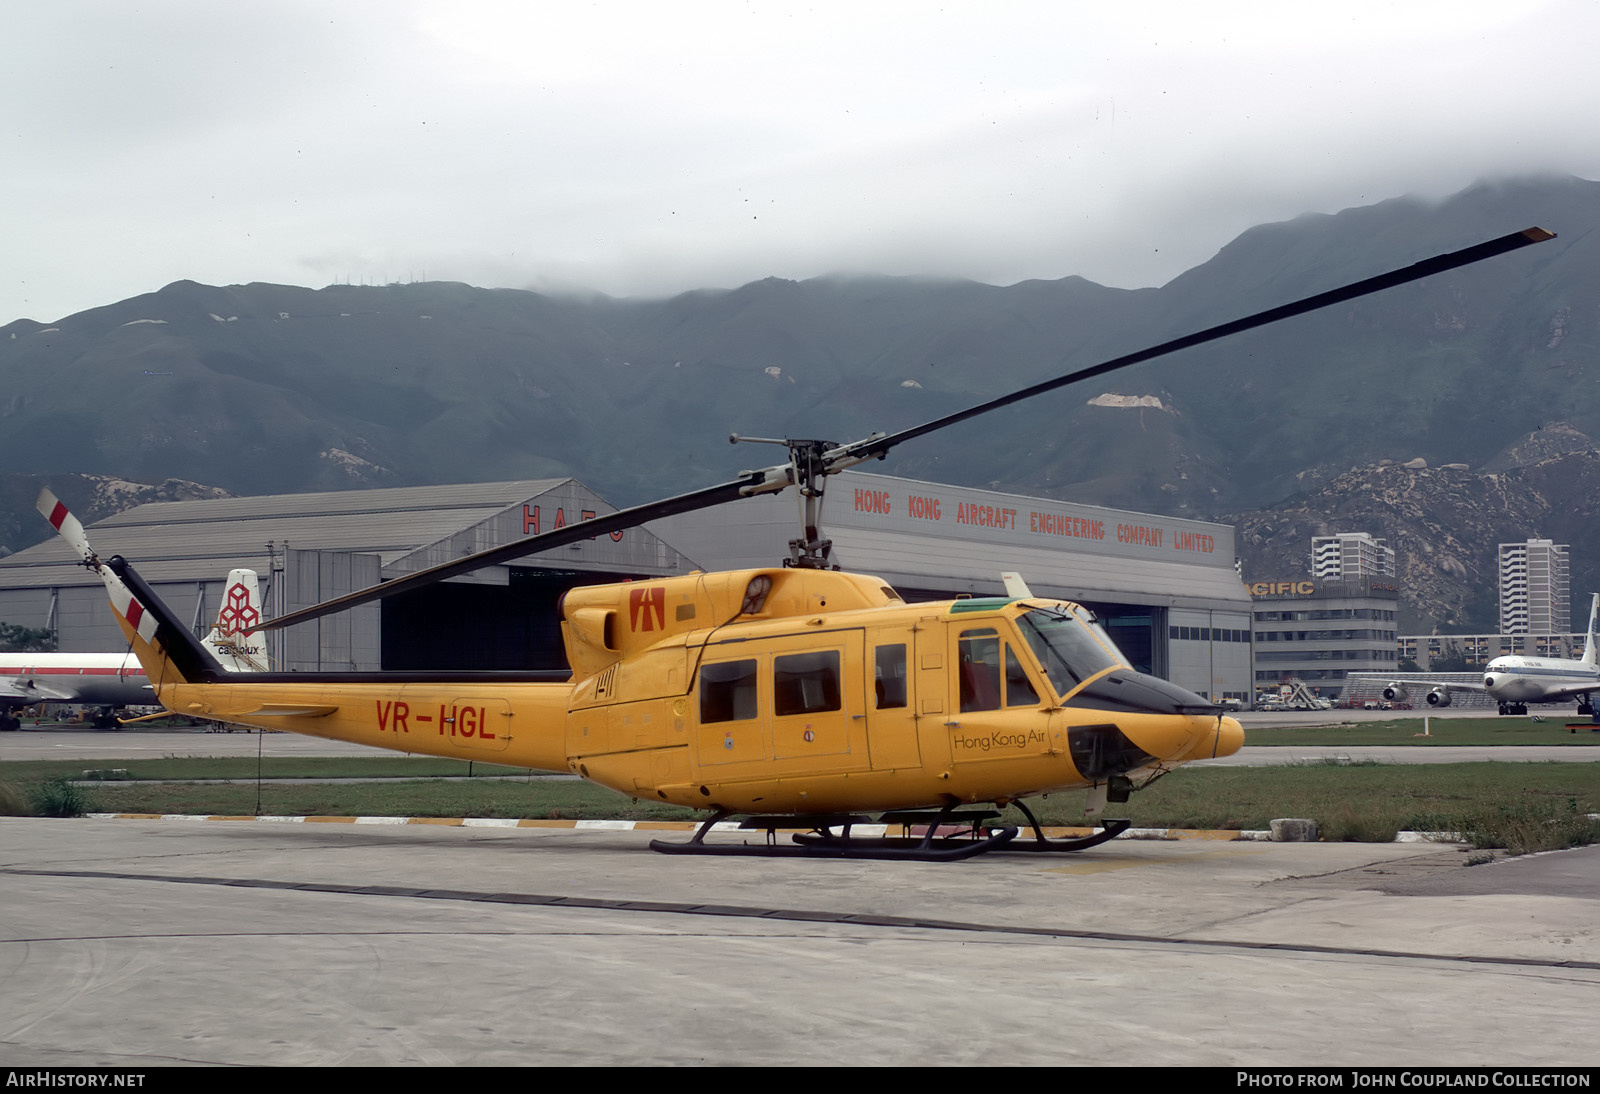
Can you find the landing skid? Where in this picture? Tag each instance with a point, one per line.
(938, 843)
(1112, 829)
(823, 842)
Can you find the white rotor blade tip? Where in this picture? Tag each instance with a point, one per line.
(69, 527)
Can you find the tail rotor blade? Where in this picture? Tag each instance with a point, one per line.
(69, 527)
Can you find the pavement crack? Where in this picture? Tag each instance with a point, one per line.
(853, 919)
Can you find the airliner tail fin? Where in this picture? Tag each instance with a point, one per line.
(231, 640)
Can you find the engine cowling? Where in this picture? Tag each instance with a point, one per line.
(1439, 697)
(1395, 693)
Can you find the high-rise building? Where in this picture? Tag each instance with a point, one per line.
(1535, 591)
(1350, 556)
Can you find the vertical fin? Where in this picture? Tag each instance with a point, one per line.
(1589, 652)
(233, 639)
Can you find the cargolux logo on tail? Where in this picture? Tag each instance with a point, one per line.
(238, 615)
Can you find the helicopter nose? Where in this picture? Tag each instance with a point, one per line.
(1197, 738)
(1150, 719)
(1135, 740)
(1228, 739)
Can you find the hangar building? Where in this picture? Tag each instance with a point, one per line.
(1165, 588)
(317, 546)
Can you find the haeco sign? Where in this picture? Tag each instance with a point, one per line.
(1008, 523)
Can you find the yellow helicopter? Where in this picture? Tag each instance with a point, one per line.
(795, 696)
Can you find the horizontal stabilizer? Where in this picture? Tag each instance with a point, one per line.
(16, 689)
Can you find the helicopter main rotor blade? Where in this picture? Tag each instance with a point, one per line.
(844, 456)
(619, 521)
(874, 447)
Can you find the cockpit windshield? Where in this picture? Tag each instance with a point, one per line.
(1069, 647)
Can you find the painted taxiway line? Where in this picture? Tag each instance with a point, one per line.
(1220, 835)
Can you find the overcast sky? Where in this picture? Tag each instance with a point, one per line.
(653, 147)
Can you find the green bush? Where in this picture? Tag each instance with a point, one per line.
(1534, 825)
(19, 639)
(1347, 824)
(59, 797)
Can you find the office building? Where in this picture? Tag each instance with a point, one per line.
(1535, 590)
(1317, 632)
(1350, 556)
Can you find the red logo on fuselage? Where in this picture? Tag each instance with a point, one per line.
(647, 609)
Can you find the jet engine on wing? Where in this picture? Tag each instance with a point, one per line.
(1439, 697)
(1395, 693)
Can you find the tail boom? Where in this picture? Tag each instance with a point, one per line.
(467, 716)
(520, 724)
(517, 719)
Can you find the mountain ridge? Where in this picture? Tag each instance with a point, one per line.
(264, 388)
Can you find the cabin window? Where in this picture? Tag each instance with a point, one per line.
(890, 676)
(1019, 689)
(979, 665)
(805, 683)
(728, 691)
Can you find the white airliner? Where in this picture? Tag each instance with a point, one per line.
(112, 680)
(1514, 681)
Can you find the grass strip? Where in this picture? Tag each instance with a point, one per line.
(1403, 732)
(545, 799)
(248, 767)
(1520, 806)
(1369, 802)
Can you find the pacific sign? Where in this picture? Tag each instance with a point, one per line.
(1282, 588)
